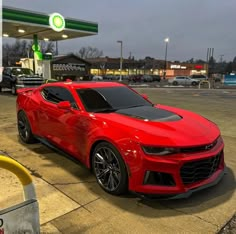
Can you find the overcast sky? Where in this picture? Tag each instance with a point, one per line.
(142, 25)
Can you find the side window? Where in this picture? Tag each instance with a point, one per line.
(93, 100)
(58, 94)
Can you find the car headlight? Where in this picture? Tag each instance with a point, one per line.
(160, 150)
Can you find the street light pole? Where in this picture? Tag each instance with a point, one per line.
(165, 66)
(121, 58)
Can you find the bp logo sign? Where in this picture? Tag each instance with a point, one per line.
(57, 22)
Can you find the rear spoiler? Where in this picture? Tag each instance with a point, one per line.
(25, 90)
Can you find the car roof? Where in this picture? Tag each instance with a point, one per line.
(84, 84)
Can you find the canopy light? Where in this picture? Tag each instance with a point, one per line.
(45, 39)
(64, 36)
(57, 22)
(21, 30)
(5, 35)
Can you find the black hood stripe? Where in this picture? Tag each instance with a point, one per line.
(150, 113)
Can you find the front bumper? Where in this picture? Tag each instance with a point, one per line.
(175, 170)
(186, 194)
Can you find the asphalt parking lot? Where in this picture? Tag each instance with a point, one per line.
(71, 201)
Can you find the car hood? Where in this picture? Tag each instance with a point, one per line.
(162, 125)
(27, 76)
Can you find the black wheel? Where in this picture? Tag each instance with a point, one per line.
(109, 169)
(13, 89)
(0, 89)
(175, 83)
(24, 128)
(194, 83)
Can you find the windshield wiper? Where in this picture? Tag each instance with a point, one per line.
(134, 106)
(139, 106)
(106, 110)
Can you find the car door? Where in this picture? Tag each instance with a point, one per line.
(180, 80)
(68, 129)
(51, 118)
(188, 81)
(6, 78)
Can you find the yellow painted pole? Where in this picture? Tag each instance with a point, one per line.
(22, 174)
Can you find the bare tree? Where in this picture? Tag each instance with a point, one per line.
(234, 64)
(89, 52)
(6, 54)
(12, 53)
(47, 47)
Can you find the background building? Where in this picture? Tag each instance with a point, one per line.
(70, 67)
(147, 66)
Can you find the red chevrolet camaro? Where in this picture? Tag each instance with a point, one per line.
(128, 142)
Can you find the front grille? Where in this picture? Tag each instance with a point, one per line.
(199, 170)
(30, 81)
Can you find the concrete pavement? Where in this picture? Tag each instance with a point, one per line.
(71, 201)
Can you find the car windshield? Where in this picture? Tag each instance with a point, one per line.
(107, 99)
(22, 71)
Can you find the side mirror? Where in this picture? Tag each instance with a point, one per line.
(64, 105)
(7, 74)
(145, 96)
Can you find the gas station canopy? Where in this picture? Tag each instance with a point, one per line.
(22, 24)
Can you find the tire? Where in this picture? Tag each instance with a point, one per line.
(175, 83)
(109, 169)
(194, 83)
(0, 89)
(13, 89)
(24, 128)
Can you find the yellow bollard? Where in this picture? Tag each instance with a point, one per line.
(24, 217)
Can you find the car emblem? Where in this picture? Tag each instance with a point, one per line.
(207, 147)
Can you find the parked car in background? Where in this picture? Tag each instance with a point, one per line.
(97, 78)
(15, 78)
(111, 77)
(199, 77)
(135, 78)
(146, 78)
(125, 77)
(107, 77)
(156, 78)
(183, 80)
